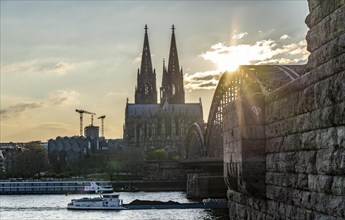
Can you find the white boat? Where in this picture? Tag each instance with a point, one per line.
(95, 188)
(103, 202)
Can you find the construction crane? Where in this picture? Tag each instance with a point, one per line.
(102, 118)
(81, 112)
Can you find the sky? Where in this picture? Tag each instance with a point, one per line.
(58, 56)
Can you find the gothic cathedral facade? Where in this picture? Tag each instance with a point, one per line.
(150, 125)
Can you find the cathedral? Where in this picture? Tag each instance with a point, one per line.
(150, 125)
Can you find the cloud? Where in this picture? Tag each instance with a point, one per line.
(239, 36)
(53, 126)
(57, 98)
(18, 109)
(284, 37)
(27, 66)
(228, 58)
(137, 59)
(42, 67)
(202, 80)
(63, 97)
(116, 93)
(61, 67)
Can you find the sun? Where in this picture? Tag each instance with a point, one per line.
(228, 59)
(227, 65)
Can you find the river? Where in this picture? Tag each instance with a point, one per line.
(54, 207)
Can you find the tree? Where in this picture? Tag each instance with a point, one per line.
(158, 154)
(27, 161)
(37, 158)
(132, 161)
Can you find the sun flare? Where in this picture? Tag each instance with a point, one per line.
(226, 65)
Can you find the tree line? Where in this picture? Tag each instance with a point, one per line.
(31, 161)
(25, 162)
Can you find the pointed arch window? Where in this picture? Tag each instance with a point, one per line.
(147, 88)
(173, 89)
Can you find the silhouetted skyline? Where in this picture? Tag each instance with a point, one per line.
(57, 56)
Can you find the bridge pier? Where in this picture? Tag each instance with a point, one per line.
(205, 178)
(205, 185)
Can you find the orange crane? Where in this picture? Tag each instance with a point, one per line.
(81, 112)
(102, 118)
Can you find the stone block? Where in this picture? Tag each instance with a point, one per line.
(288, 180)
(305, 162)
(314, 5)
(321, 71)
(329, 116)
(298, 124)
(291, 180)
(320, 216)
(339, 114)
(270, 178)
(312, 38)
(338, 85)
(300, 214)
(320, 183)
(306, 102)
(241, 211)
(281, 209)
(341, 136)
(279, 194)
(338, 64)
(270, 192)
(331, 161)
(338, 3)
(273, 144)
(324, 28)
(326, 91)
(286, 162)
(270, 164)
(291, 142)
(308, 140)
(338, 20)
(327, 204)
(297, 197)
(336, 206)
(271, 207)
(326, 138)
(302, 181)
(338, 186)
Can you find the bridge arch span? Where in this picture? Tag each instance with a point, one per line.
(195, 142)
(231, 85)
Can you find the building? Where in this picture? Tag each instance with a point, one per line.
(91, 131)
(150, 125)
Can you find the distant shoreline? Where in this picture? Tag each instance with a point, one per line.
(25, 187)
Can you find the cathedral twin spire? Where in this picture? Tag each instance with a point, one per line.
(146, 91)
(172, 90)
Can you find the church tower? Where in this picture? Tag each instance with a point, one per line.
(146, 91)
(172, 89)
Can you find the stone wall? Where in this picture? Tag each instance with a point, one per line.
(305, 132)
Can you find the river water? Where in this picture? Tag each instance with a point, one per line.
(54, 207)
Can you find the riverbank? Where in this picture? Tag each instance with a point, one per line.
(149, 185)
(11, 187)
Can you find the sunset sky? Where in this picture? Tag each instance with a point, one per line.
(57, 56)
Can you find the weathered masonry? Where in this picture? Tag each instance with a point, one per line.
(204, 146)
(284, 151)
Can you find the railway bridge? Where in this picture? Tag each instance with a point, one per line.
(204, 147)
